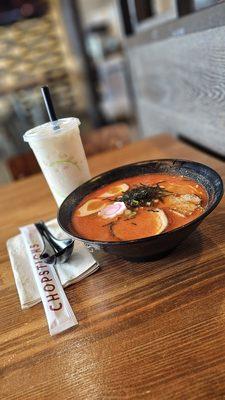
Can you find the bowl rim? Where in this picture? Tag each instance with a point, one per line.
(92, 242)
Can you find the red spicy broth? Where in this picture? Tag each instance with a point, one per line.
(138, 207)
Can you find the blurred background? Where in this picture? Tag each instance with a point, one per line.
(88, 52)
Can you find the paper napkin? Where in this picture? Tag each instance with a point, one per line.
(80, 265)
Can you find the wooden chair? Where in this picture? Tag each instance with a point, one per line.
(22, 165)
(107, 138)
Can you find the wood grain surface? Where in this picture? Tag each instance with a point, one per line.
(179, 86)
(153, 330)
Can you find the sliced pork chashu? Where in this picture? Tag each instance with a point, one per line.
(184, 204)
(146, 223)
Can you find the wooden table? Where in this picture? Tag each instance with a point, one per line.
(153, 330)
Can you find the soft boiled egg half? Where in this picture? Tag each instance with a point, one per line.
(91, 207)
(115, 191)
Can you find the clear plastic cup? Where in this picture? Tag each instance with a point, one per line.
(60, 154)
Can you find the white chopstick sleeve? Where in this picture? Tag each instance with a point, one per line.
(59, 313)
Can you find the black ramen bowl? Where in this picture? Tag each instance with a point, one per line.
(154, 246)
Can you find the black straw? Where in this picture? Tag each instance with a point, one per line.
(48, 103)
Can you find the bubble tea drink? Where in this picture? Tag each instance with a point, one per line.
(60, 154)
